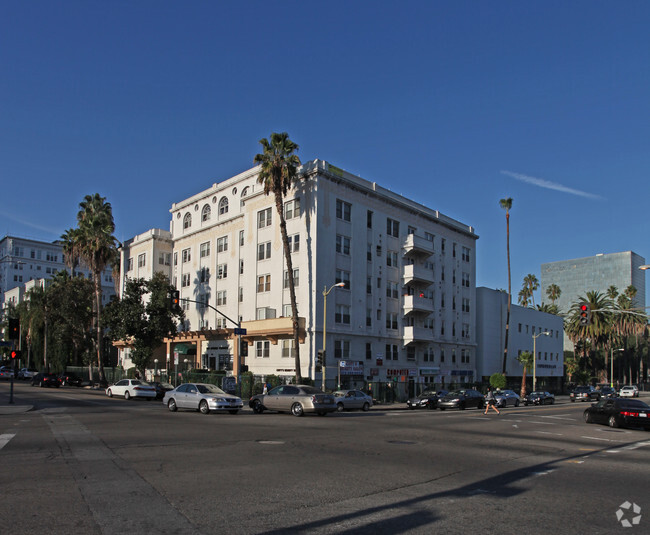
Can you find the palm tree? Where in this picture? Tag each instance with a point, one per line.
(506, 204)
(278, 172)
(553, 292)
(523, 297)
(93, 243)
(525, 358)
(532, 284)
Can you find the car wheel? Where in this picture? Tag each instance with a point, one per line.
(613, 422)
(234, 411)
(516, 403)
(171, 405)
(461, 406)
(573, 400)
(588, 418)
(258, 408)
(321, 413)
(552, 401)
(411, 407)
(109, 393)
(203, 407)
(339, 407)
(127, 396)
(41, 384)
(366, 407)
(297, 410)
(442, 408)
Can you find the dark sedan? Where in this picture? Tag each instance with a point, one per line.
(426, 400)
(46, 379)
(619, 412)
(539, 398)
(584, 393)
(606, 392)
(161, 388)
(69, 378)
(462, 399)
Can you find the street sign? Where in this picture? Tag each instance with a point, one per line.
(237, 330)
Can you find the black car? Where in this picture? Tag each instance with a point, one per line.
(539, 398)
(584, 393)
(606, 392)
(46, 379)
(69, 378)
(161, 388)
(426, 400)
(619, 412)
(462, 399)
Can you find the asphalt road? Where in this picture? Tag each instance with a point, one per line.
(79, 462)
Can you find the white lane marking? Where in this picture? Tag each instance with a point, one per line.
(541, 423)
(636, 446)
(4, 439)
(545, 473)
(598, 438)
(549, 433)
(561, 418)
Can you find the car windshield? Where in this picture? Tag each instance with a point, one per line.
(634, 404)
(427, 394)
(209, 389)
(457, 393)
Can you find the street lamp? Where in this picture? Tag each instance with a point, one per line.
(326, 292)
(155, 368)
(611, 358)
(535, 337)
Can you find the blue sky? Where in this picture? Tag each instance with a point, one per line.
(455, 104)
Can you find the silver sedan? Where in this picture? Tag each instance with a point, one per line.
(298, 399)
(202, 397)
(352, 399)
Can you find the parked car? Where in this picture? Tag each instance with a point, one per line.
(606, 392)
(46, 379)
(6, 372)
(298, 399)
(202, 397)
(426, 400)
(131, 388)
(539, 398)
(352, 399)
(629, 391)
(583, 393)
(70, 379)
(161, 388)
(507, 397)
(26, 373)
(462, 399)
(619, 412)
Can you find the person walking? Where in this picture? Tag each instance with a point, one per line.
(490, 401)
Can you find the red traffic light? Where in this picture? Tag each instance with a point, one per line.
(15, 354)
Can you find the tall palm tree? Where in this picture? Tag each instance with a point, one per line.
(506, 204)
(553, 292)
(532, 285)
(526, 360)
(278, 172)
(523, 297)
(93, 244)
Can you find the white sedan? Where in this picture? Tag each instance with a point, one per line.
(629, 391)
(131, 388)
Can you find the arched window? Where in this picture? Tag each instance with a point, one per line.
(223, 206)
(187, 221)
(244, 193)
(205, 213)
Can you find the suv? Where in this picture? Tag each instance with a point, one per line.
(584, 393)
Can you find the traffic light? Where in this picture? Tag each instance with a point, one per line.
(585, 313)
(14, 328)
(175, 301)
(15, 354)
(320, 359)
(243, 348)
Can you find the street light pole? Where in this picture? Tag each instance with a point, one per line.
(535, 337)
(326, 292)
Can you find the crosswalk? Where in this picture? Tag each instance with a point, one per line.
(4, 439)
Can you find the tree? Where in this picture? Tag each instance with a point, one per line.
(506, 204)
(93, 244)
(278, 172)
(532, 285)
(498, 381)
(525, 358)
(523, 297)
(553, 292)
(142, 317)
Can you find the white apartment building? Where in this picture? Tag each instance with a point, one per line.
(406, 313)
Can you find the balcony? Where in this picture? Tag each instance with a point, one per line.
(417, 246)
(414, 304)
(414, 274)
(417, 334)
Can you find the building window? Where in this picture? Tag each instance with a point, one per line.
(429, 237)
(292, 209)
(342, 244)
(241, 294)
(241, 266)
(391, 320)
(265, 313)
(264, 251)
(223, 206)
(187, 221)
(264, 218)
(263, 283)
(296, 278)
(343, 276)
(262, 349)
(391, 352)
(466, 308)
(392, 227)
(287, 349)
(241, 238)
(342, 349)
(368, 350)
(129, 265)
(205, 249)
(392, 290)
(342, 314)
(391, 258)
(142, 260)
(221, 298)
(442, 245)
(368, 317)
(465, 254)
(294, 243)
(465, 281)
(369, 219)
(453, 250)
(185, 281)
(206, 213)
(369, 253)
(465, 332)
(204, 275)
(187, 255)
(222, 244)
(369, 285)
(222, 271)
(343, 210)
(164, 259)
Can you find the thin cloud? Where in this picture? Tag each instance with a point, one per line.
(550, 185)
(29, 224)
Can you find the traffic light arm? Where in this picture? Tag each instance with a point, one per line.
(238, 324)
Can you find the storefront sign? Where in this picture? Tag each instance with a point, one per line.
(351, 367)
